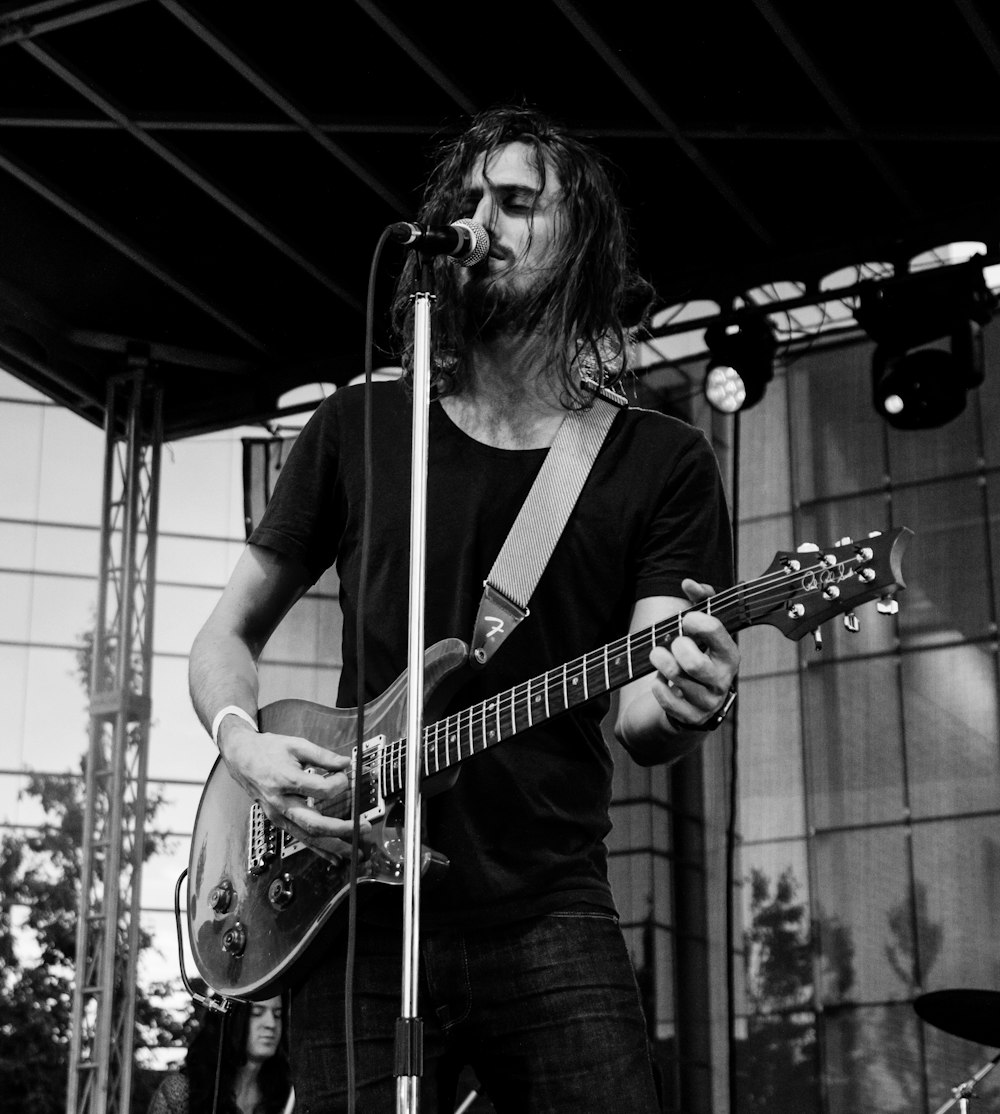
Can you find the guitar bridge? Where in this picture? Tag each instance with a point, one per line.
(263, 839)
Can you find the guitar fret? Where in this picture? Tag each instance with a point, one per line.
(607, 675)
(564, 689)
(528, 705)
(513, 710)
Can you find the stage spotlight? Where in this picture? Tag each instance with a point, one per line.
(927, 330)
(741, 363)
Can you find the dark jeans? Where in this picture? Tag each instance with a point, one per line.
(545, 1011)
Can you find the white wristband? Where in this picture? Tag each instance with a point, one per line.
(230, 710)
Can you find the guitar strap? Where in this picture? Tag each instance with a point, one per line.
(540, 522)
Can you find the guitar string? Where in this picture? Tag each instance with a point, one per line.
(747, 597)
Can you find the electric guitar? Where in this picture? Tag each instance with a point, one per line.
(258, 899)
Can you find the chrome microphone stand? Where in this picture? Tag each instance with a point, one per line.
(409, 1026)
(467, 242)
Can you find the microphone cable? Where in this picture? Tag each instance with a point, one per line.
(359, 643)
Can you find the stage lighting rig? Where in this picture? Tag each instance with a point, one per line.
(928, 356)
(741, 362)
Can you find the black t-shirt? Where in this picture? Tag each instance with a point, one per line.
(524, 825)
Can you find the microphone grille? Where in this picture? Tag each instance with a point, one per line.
(480, 243)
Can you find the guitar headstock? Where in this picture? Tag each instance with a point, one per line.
(801, 590)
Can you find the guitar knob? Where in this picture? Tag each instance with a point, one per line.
(235, 940)
(221, 898)
(280, 892)
(852, 623)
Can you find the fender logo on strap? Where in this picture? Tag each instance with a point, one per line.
(491, 629)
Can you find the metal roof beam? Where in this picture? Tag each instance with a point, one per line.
(419, 56)
(807, 63)
(19, 24)
(229, 55)
(123, 247)
(195, 177)
(611, 58)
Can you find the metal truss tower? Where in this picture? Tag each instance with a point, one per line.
(107, 942)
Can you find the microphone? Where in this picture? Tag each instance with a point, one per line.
(466, 241)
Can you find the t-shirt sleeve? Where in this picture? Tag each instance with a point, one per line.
(689, 534)
(303, 518)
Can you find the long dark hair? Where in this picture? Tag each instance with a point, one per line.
(203, 1062)
(592, 298)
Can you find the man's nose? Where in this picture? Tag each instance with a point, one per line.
(484, 211)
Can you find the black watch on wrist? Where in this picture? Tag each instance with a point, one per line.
(714, 720)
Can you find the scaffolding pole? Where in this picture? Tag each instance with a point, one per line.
(102, 1035)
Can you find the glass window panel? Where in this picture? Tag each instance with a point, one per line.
(15, 606)
(13, 693)
(56, 719)
(765, 488)
(778, 968)
(201, 487)
(18, 544)
(777, 1065)
(182, 559)
(179, 746)
(947, 569)
(837, 438)
(68, 549)
(71, 473)
(957, 868)
(20, 456)
(872, 1061)
(62, 608)
(863, 910)
(851, 720)
(179, 615)
(950, 714)
(772, 800)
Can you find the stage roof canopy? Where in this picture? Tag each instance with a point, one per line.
(209, 180)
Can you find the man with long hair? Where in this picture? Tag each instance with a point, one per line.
(524, 970)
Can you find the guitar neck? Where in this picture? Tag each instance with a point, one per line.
(796, 594)
(454, 738)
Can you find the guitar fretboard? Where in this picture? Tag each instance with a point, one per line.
(829, 584)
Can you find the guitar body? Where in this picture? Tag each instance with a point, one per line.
(257, 903)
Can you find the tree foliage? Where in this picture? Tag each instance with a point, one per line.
(40, 880)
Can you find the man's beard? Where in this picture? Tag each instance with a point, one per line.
(493, 305)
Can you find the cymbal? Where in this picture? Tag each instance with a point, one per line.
(971, 1014)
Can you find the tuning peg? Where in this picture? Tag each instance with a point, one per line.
(842, 541)
(807, 547)
(818, 639)
(796, 611)
(791, 565)
(852, 623)
(887, 606)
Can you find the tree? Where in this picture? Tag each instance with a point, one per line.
(40, 876)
